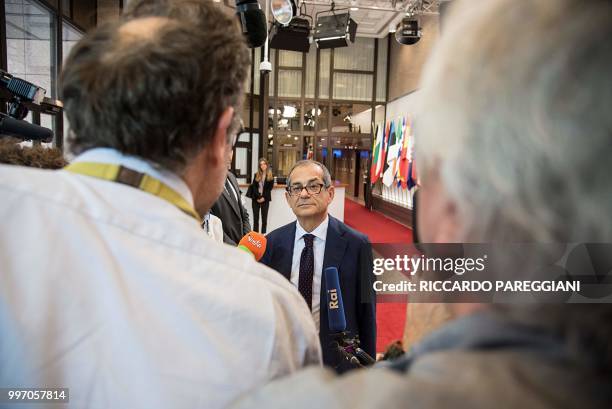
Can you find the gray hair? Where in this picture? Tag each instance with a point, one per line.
(306, 162)
(515, 119)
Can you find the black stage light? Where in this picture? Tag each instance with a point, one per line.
(408, 31)
(293, 37)
(334, 31)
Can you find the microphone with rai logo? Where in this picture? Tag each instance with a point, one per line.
(346, 346)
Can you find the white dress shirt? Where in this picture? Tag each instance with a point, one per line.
(213, 227)
(318, 245)
(118, 295)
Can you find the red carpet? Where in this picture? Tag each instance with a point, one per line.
(377, 227)
(390, 317)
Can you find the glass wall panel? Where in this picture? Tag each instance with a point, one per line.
(357, 56)
(273, 116)
(70, 36)
(321, 119)
(289, 83)
(289, 115)
(310, 117)
(361, 118)
(287, 157)
(381, 74)
(351, 142)
(353, 86)
(289, 58)
(30, 39)
(324, 69)
(241, 160)
(351, 118)
(256, 61)
(321, 149)
(308, 147)
(311, 72)
(271, 76)
(379, 113)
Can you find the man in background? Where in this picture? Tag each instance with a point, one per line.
(230, 209)
(301, 250)
(108, 287)
(513, 145)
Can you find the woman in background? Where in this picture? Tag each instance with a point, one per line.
(260, 193)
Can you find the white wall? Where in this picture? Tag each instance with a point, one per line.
(407, 104)
(363, 120)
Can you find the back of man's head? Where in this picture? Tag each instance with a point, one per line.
(155, 86)
(514, 134)
(516, 120)
(198, 12)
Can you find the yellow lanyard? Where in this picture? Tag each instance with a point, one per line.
(142, 181)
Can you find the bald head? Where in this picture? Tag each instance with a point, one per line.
(156, 86)
(143, 28)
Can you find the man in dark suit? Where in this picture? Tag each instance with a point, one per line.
(230, 210)
(303, 249)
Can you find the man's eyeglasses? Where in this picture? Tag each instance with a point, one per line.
(311, 188)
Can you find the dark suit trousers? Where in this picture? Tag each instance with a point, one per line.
(264, 215)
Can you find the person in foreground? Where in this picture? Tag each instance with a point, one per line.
(513, 143)
(108, 286)
(301, 250)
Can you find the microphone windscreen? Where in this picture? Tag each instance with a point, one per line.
(254, 243)
(24, 130)
(335, 307)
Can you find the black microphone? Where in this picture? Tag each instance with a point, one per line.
(253, 22)
(24, 130)
(335, 307)
(335, 315)
(346, 346)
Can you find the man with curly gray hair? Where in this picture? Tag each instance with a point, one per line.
(513, 145)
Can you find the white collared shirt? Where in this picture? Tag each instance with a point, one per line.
(111, 156)
(320, 234)
(213, 226)
(118, 295)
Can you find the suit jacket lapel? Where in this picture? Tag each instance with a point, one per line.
(286, 253)
(229, 196)
(335, 245)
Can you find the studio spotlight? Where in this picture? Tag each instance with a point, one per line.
(408, 31)
(334, 30)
